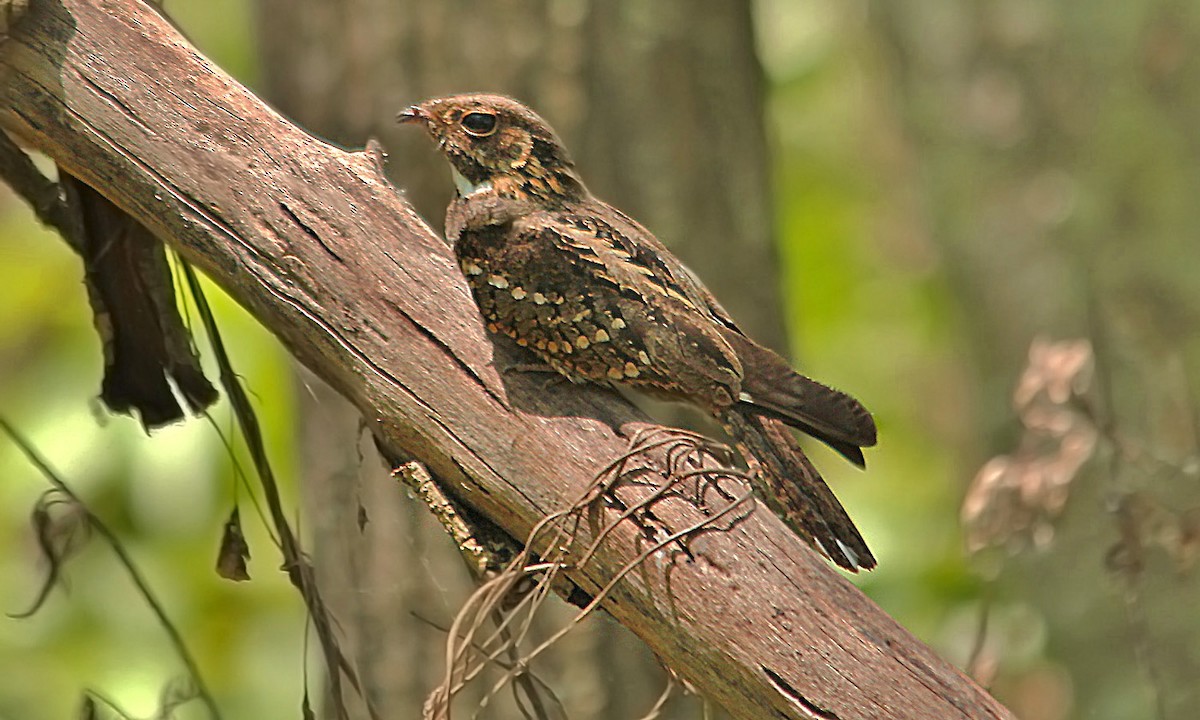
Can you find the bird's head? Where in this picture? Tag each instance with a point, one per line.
(495, 142)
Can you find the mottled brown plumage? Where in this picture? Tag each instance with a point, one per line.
(600, 299)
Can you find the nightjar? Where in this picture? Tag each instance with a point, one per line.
(597, 297)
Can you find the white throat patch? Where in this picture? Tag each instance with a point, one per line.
(465, 186)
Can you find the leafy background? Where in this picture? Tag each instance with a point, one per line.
(896, 163)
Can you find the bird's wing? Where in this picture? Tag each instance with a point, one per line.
(627, 255)
(688, 355)
(769, 384)
(629, 239)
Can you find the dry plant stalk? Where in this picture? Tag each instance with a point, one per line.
(515, 594)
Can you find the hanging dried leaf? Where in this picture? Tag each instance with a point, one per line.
(235, 551)
(150, 359)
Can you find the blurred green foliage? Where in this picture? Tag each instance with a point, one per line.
(867, 316)
(166, 494)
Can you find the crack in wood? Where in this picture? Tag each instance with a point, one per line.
(117, 102)
(449, 351)
(310, 232)
(785, 688)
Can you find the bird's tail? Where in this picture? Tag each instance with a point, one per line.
(772, 387)
(795, 491)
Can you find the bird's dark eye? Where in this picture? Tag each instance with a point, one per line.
(479, 124)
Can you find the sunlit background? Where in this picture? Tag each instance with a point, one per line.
(949, 184)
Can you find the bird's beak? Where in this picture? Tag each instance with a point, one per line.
(413, 114)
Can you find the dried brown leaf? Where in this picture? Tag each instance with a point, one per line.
(235, 551)
(1020, 494)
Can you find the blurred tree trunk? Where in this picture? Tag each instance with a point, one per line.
(662, 104)
(1060, 163)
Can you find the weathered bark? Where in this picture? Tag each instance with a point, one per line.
(662, 104)
(315, 243)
